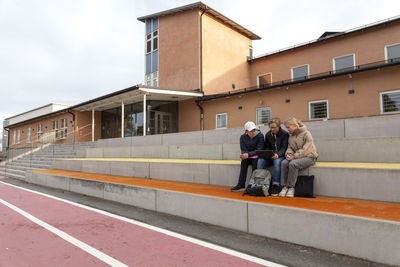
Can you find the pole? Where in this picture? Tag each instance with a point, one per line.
(144, 115)
(122, 118)
(92, 125)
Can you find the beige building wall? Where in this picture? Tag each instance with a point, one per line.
(225, 53)
(368, 46)
(179, 50)
(364, 102)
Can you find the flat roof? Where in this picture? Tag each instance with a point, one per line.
(329, 35)
(230, 23)
(23, 113)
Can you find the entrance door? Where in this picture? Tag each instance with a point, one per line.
(160, 122)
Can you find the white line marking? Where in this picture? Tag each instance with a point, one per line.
(163, 231)
(91, 250)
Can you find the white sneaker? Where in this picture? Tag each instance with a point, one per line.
(283, 192)
(290, 192)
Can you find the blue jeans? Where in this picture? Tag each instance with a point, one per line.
(262, 163)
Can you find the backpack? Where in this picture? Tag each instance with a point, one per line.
(259, 183)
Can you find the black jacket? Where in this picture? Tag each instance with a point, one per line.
(250, 145)
(281, 142)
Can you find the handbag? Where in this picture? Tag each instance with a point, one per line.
(304, 186)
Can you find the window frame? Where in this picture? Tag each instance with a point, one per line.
(318, 101)
(216, 120)
(63, 128)
(28, 135)
(55, 129)
(18, 136)
(39, 131)
(257, 109)
(258, 78)
(334, 63)
(14, 137)
(308, 72)
(381, 102)
(386, 53)
(151, 78)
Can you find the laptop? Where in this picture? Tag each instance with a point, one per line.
(265, 154)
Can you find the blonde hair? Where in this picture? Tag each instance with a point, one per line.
(277, 121)
(293, 121)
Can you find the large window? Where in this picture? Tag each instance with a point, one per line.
(39, 131)
(18, 136)
(151, 77)
(263, 115)
(55, 128)
(300, 72)
(63, 129)
(390, 101)
(14, 137)
(28, 135)
(392, 53)
(222, 120)
(264, 79)
(345, 63)
(318, 109)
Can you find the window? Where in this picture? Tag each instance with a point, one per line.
(345, 63)
(28, 135)
(222, 120)
(390, 101)
(318, 109)
(14, 137)
(263, 115)
(39, 131)
(18, 136)
(63, 129)
(264, 79)
(55, 128)
(300, 73)
(151, 54)
(392, 53)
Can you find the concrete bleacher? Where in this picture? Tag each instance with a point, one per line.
(358, 160)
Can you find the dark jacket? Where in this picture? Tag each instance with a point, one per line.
(250, 145)
(281, 142)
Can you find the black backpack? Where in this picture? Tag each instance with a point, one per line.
(259, 183)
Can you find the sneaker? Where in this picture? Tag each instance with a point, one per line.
(290, 192)
(283, 192)
(237, 188)
(275, 190)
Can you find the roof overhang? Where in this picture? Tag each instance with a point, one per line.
(212, 12)
(135, 95)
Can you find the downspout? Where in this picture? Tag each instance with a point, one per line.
(73, 123)
(201, 69)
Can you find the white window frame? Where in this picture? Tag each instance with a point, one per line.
(318, 101)
(386, 54)
(14, 137)
(308, 71)
(258, 78)
(39, 131)
(55, 129)
(28, 135)
(151, 79)
(334, 64)
(63, 128)
(19, 136)
(381, 101)
(267, 108)
(216, 120)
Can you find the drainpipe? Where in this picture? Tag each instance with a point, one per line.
(201, 115)
(201, 69)
(201, 49)
(73, 124)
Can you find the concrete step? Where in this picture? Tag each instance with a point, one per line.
(363, 229)
(383, 149)
(15, 176)
(368, 181)
(18, 167)
(12, 171)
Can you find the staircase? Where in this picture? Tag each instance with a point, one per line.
(42, 159)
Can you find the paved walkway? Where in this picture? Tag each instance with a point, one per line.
(363, 208)
(41, 230)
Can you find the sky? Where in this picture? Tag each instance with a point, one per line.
(71, 51)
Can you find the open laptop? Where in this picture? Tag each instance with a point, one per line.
(265, 154)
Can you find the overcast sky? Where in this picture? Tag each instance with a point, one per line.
(70, 51)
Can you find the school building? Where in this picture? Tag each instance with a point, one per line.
(200, 74)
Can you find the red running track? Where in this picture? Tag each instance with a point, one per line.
(79, 236)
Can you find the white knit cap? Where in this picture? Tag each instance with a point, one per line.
(249, 126)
